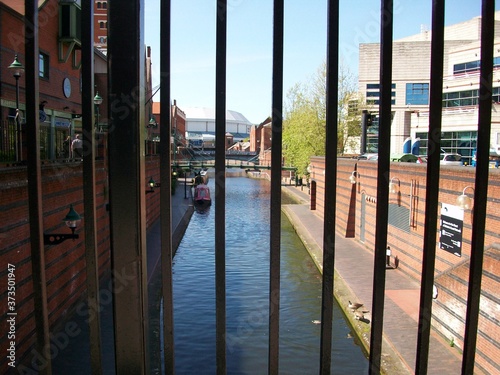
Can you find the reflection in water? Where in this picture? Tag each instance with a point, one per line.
(247, 282)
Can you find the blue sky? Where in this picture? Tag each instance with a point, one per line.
(249, 44)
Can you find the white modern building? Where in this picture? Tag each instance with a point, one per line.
(410, 88)
(200, 125)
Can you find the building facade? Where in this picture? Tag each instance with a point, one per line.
(200, 126)
(410, 89)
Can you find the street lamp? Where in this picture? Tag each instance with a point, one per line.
(72, 219)
(97, 102)
(18, 69)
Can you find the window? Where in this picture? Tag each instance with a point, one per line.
(373, 94)
(473, 66)
(462, 143)
(417, 94)
(105, 5)
(43, 65)
(103, 25)
(99, 5)
(465, 98)
(376, 86)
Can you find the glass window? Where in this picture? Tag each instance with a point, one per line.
(473, 66)
(463, 98)
(462, 143)
(99, 5)
(458, 68)
(43, 65)
(376, 86)
(104, 5)
(417, 93)
(496, 62)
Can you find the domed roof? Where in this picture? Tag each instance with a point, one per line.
(199, 113)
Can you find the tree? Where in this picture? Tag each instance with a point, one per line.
(305, 118)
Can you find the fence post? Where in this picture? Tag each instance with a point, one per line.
(313, 195)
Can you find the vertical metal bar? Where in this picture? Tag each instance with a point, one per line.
(432, 191)
(35, 186)
(19, 141)
(165, 193)
(364, 122)
(89, 193)
(127, 183)
(332, 68)
(220, 185)
(275, 213)
(480, 188)
(383, 171)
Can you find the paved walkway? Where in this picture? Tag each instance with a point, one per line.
(353, 281)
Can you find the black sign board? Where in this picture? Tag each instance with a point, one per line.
(450, 229)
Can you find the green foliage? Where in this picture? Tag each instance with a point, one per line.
(304, 121)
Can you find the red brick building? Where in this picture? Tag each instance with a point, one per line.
(356, 218)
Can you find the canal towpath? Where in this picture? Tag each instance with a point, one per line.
(353, 281)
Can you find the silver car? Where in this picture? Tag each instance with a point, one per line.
(451, 159)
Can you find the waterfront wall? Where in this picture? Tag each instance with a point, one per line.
(62, 185)
(356, 218)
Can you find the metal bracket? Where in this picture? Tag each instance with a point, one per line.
(55, 239)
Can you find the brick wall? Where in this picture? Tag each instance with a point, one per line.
(64, 263)
(62, 185)
(356, 216)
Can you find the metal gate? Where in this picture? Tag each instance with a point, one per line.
(126, 167)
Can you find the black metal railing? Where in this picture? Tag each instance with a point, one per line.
(8, 141)
(126, 51)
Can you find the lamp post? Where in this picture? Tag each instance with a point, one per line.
(97, 102)
(18, 69)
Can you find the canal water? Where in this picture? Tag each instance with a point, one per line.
(247, 282)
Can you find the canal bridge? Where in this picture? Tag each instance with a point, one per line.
(210, 163)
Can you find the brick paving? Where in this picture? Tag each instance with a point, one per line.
(354, 265)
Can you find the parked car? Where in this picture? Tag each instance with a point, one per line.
(407, 158)
(368, 157)
(451, 159)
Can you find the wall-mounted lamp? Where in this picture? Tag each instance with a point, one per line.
(152, 184)
(72, 220)
(464, 201)
(394, 186)
(152, 122)
(353, 177)
(18, 69)
(97, 102)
